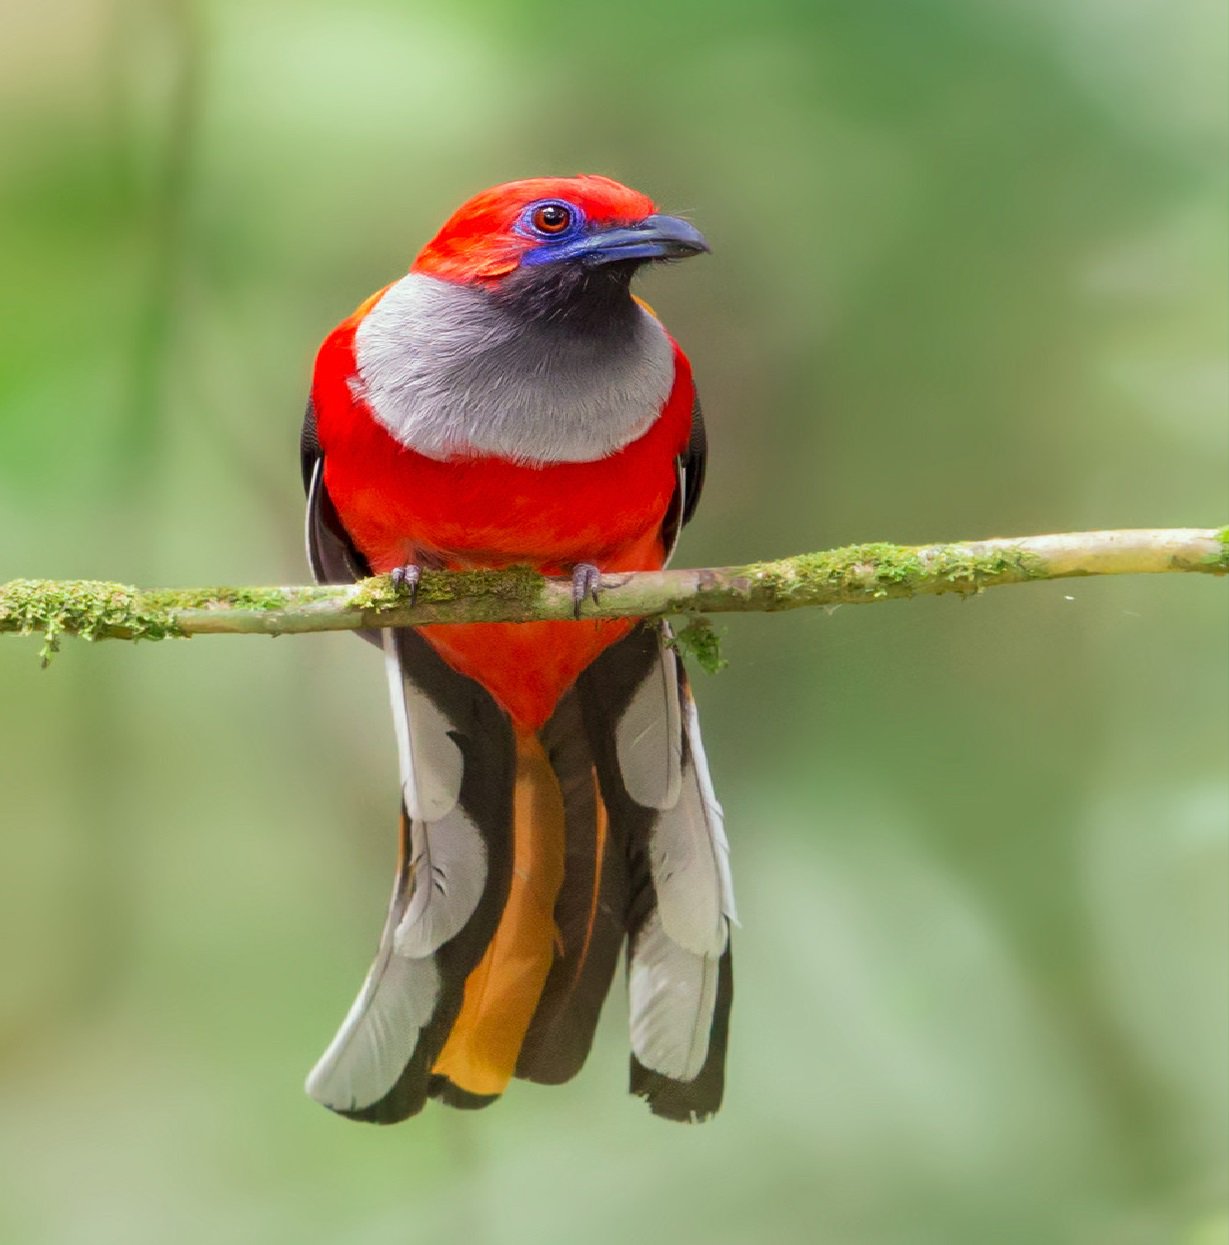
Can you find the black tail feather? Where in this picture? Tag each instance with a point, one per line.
(590, 912)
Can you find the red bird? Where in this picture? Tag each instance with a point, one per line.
(509, 401)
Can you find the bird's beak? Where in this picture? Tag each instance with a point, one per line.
(655, 237)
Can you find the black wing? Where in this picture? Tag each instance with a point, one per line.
(690, 464)
(330, 551)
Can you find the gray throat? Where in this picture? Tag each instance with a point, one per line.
(450, 371)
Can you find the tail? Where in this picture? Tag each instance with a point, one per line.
(526, 859)
(642, 721)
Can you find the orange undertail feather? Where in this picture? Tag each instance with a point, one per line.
(502, 993)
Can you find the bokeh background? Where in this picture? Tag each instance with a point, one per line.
(969, 278)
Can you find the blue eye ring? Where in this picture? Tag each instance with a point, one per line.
(551, 220)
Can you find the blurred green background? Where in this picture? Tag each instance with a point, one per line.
(969, 278)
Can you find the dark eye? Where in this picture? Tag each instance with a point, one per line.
(551, 218)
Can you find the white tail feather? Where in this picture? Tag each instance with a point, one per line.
(683, 860)
(689, 856)
(377, 1038)
(672, 993)
(431, 763)
(449, 869)
(649, 737)
(714, 815)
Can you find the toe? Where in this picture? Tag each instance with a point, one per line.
(586, 582)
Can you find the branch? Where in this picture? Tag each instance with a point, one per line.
(854, 575)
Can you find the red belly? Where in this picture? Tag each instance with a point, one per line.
(525, 666)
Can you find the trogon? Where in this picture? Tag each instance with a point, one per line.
(509, 401)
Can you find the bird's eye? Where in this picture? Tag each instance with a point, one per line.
(551, 218)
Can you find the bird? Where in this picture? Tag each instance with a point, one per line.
(510, 402)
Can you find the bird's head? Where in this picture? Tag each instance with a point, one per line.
(549, 241)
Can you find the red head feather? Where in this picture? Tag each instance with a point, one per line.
(480, 241)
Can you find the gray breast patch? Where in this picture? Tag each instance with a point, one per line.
(449, 371)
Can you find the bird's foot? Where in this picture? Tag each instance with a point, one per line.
(406, 579)
(586, 581)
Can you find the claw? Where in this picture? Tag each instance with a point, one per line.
(407, 578)
(586, 580)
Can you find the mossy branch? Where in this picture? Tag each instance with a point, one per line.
(854, 575)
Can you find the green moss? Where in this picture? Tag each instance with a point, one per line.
(878, 568)
(261, 599)
(1220, 559)
(521, 584)
(701, 641)
(88, 608)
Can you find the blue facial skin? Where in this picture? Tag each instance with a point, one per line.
(655, 237)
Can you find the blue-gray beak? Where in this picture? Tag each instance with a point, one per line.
(655, 237)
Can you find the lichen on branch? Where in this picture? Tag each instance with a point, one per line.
(855, 574)
(88, 608)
